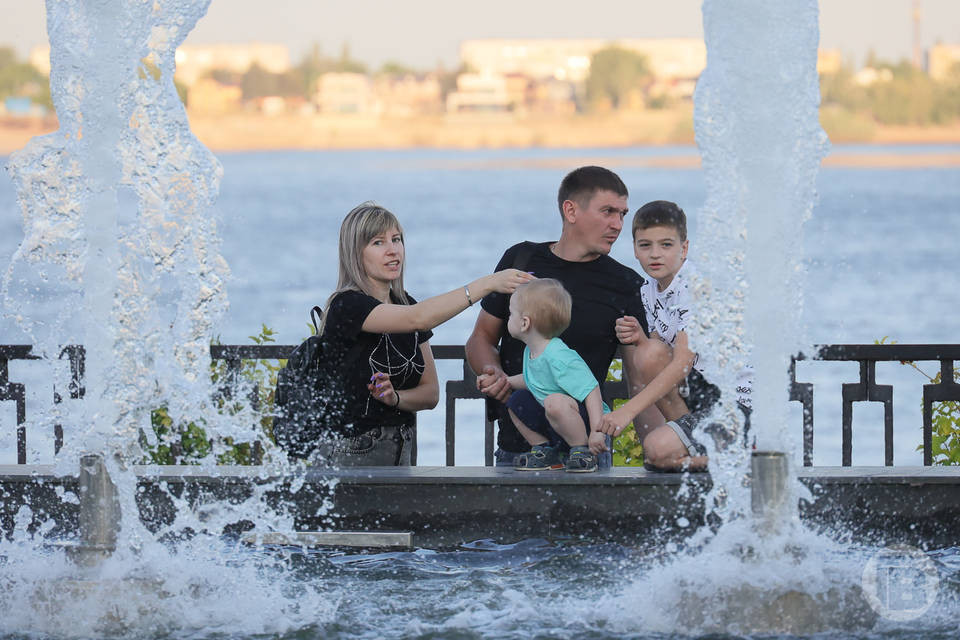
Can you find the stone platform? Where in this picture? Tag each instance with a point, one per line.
(445, 506)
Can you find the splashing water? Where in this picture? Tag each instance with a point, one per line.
(758, 130)
(120, 230)
(120, 250)
(121, 254)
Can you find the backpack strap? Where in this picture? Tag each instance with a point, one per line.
(316, 316)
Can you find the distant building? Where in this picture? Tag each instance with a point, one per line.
(350, 93)
(869, 76)
(21, 107)
(209, 97)
(480, 92)
(941, 59)
(552, 96)
(409, 94)
(197, 61)
(39, 59)
(829, 61)
(569, 59)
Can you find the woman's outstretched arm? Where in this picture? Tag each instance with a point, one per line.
(427, 314)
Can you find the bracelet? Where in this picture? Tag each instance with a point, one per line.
(469, 299)
(396, 393)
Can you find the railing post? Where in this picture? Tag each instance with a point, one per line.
(802, 392)
(15, 391)
(946, 390)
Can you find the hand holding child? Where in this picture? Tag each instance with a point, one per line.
(614, 423)
(493, 383)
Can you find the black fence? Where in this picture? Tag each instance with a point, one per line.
(866, 390)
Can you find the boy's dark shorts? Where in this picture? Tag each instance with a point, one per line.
(532, 414)
(701, 397)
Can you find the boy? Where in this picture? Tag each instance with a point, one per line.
(660, 244)
(560, 381)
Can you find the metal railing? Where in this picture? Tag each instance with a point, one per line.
(866, 390)
(16, 392)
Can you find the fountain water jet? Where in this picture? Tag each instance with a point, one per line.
(119, 229)
(121, 254)
(757, 127)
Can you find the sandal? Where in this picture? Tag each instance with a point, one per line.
(581, 460)
(541, 457)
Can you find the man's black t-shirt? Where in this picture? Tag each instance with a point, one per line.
(396, 354)
(602, 291)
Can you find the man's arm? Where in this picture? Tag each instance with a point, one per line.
(484, 358)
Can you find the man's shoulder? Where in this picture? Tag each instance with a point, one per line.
(521, 253)
(618, 269)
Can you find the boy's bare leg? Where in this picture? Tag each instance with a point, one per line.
(646, 421)
(663, 449)
(563, 414)
(662, 446)
(652, 356)
(531, 436)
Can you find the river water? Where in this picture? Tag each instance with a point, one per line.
(879, 258)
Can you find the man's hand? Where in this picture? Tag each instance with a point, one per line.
(628, 330)
(597, 442)
(615, 422)
(493, 383)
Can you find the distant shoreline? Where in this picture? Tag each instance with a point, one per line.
(245, 132)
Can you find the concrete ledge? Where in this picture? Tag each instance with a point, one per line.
(449, 505)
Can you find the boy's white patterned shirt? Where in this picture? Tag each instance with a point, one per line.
(670, 310)
(667, 310)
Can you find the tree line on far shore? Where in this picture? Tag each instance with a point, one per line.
(899, 93)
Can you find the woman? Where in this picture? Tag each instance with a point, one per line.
(377, 337)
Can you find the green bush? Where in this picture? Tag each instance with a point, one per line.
(945, 419)
(627, 449)
(187, 442)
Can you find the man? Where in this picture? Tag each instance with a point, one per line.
(593, 204)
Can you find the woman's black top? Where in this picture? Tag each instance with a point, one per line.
(396, 354)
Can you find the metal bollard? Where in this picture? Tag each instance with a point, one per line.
(99, 507)
(769, 491)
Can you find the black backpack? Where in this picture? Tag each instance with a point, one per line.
(310, 405)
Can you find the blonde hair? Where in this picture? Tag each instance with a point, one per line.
(547, 303)
(365, 221)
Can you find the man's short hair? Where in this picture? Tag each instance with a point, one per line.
(580, 184)
(548, 305)
(661, 213)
